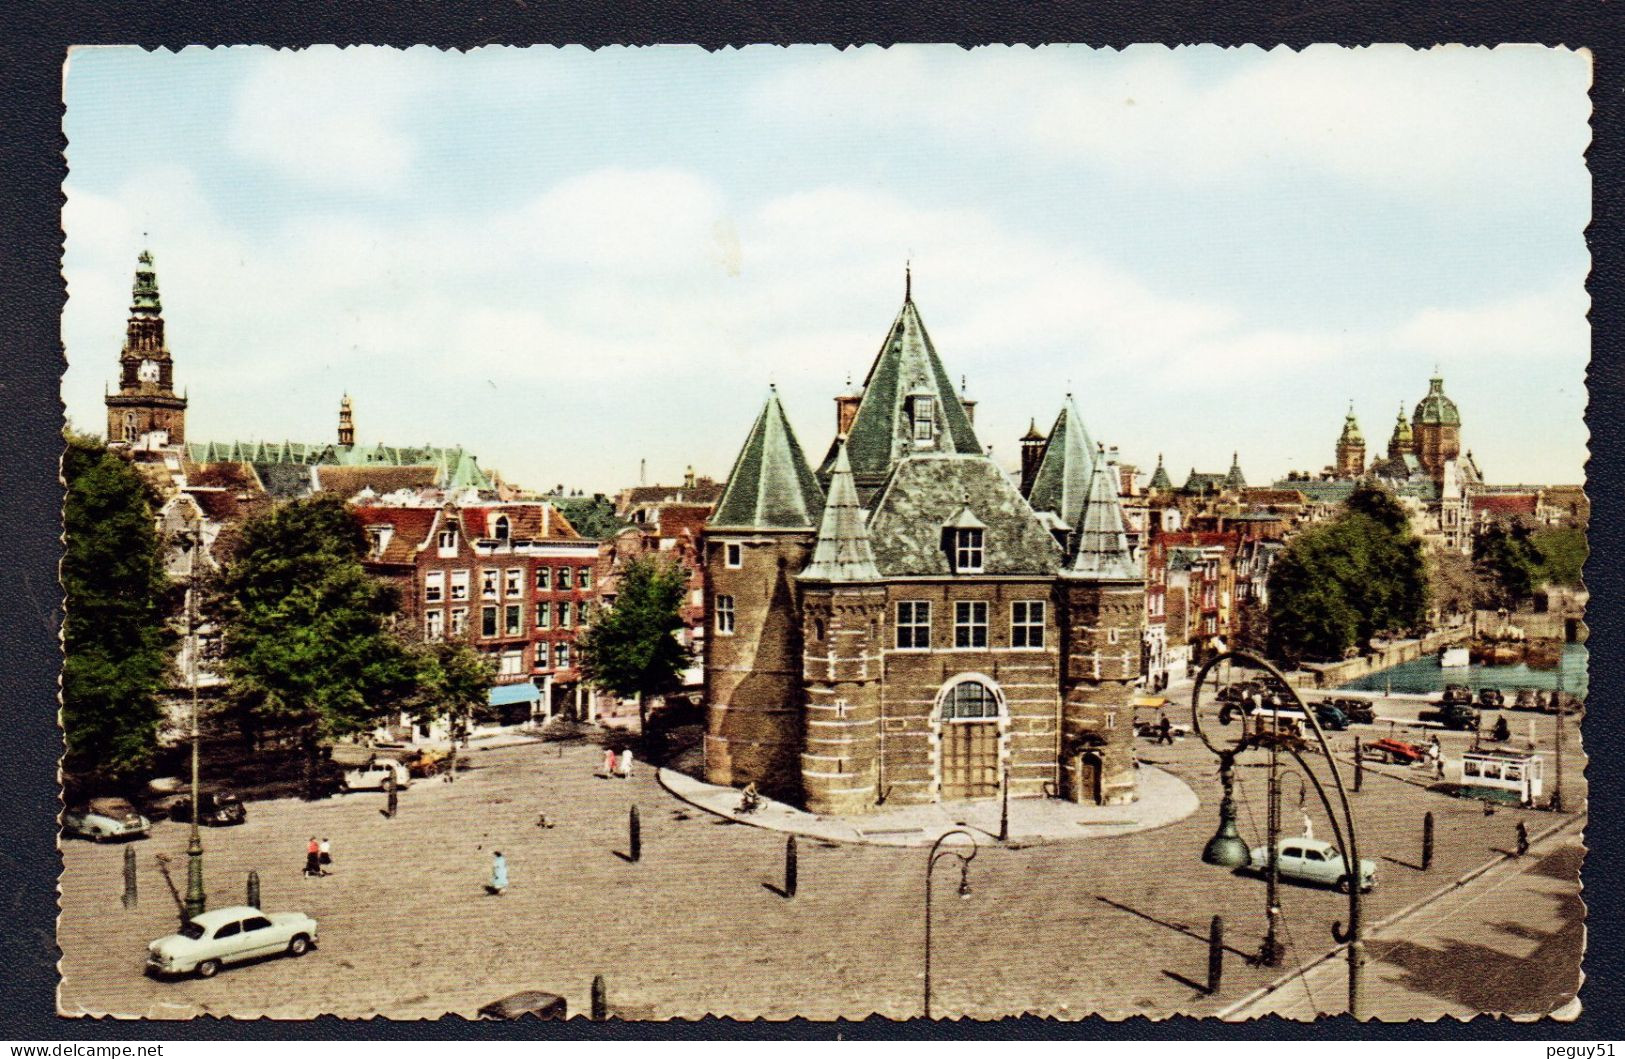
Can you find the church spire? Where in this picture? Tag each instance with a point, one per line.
(346, 423)
(843, 552)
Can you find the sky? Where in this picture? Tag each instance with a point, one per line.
(578, 263)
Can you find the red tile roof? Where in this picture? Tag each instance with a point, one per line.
(412, 526)
(525, 522)
(348, 481)
(1506, 503)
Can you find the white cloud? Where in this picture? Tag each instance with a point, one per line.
(1535, 326)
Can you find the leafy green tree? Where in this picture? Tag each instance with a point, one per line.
(1563, 551)
(631, 648)
(116, 642)
(308, 641)
(453, 681)
(1336, 586)
(1453, 584)
(1508, 564)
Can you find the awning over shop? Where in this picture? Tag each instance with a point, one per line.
(514, 694)
(1150, 702)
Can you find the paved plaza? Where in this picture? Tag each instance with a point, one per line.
(1116, 925)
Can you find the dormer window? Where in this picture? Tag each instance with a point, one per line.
(448, 542)
(499, 528)
(967, 551)
(923, 413)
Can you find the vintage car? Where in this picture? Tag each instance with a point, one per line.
(1491, 698)
(103, 819)
(1331, 718)
(1456, 693)
(532, 1002)
(212, 939)
(374, 776)
(214, 809)
(1358, 711)
(1315, 861)
(1456, 716)
(1394, 750)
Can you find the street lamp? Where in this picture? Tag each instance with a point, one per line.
(938, 851)
(1347, 841)
(191, 542)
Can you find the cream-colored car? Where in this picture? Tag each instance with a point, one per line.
(230, 935)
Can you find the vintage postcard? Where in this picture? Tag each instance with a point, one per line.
(919, 532)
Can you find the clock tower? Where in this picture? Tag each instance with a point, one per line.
(146, 404)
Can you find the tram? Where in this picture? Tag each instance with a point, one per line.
(1500, 775)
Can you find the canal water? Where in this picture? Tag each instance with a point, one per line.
(1425, 676)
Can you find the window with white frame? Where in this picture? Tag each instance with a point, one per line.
(544, 616)
(970, 700)
(564, 615)
(488, 584)
(459, 621)
(434, 624)
(734, 555)
(512, 664)
(544, 578)
(583, 612)
(514, 583)
(924, 421)
(725, 615)
(561, 656)
(447, 542)
(913, 625)
(434, 586)
(1027, 623)
(544, 656)
(584, 578)
(564, 579)
(459, 584)
(1111, 634)
(970, 623)
(488, 622)
(513, 619)
(499, 529)
(968, 551)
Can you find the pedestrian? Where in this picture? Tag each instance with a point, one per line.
(609, 761)
(1523, 838)
(1308, 826)
(1438, 766)
(626, 764)
(1165, 729)
(313, 854)
(499, 874)
(326, 855)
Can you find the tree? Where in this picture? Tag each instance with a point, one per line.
(1336, 586)
(631, 648)
(308, 645)
(1508, 564)
(1563, 551)
(1453, 586)
(453, 680)
(115, 639)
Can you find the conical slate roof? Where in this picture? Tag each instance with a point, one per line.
(1061, 483)
(843, 552)
(770, 486)
(882, 432)
(1160, 482)
(1235, 481)
(1102, 542)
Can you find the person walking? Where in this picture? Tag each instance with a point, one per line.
(1165, 729)
(325, 855)
(626, 764)
(499, 874)
(609, 762)
(313, 853)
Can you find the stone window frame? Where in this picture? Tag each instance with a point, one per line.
(513, 582)
(970, 550)
(563, 621)
(733, 555)
(1028, 625)
(919, 623)
(513, 619)
(490, 582)
(544, 615)
(561, 656)
(458, 623)
(723, 606)
(434, 586)
(544, 578)
(967, 625)
(562, 580)
(489, 621)
(459, 586)
(511, 663)
(584, 578)
(544, 655)
(434, 624)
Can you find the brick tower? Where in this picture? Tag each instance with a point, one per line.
(756, 542)
(1436, 425)
(146, 405)
(1350, 461)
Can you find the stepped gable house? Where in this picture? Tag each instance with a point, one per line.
(905, 626)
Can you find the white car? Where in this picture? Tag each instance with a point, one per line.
(374, 776)
(230, 935)
(106, 818)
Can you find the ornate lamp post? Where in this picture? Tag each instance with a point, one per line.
(191, 542)
(939, 850)
(1344, 832)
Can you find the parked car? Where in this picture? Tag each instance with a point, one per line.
(531, 1002)
(1315, 861)
(215, 809)
(212, 939)
(1453, 715)
(1330, 717)
(103, 819)
(1457, 693)
(374, 776)
(1358, 711)
(1491, 698)
(1526, 700)
(1395, 751)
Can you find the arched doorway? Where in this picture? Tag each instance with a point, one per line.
(970, 713)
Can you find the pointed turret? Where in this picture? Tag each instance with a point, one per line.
(1032, 454)
(1061, 483)
(1160, 482)
(909, 405)
(843, 553)
(770, 486)
(1235, 481)
(1402, 440)
(1103, 553)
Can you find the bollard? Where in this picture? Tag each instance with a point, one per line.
(600, 999)
(1523, 838)
(1359, 765)
(389, 789)
(130, 895)
(254, 889)
(1427, 841)
(634, 835)
(1215, 955)
(790, 866)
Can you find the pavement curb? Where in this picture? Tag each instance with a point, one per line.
(1229, 1012)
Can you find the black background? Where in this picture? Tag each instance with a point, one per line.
(32, 294)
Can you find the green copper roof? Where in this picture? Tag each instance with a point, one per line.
(1160, 481)
(1351, 430)
(144, 295)
(1235, 481)
(1436, 408)
(843, 552)
(1061, 483)
(1102, 541)
(883, 430)
(770, 486)
(1402, 435)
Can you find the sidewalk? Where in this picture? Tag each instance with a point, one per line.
(1164, 799)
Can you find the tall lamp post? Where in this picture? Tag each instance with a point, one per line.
(1343, 831)
(939, 849)
(191, 542)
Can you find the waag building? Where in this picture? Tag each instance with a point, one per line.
(904, 625)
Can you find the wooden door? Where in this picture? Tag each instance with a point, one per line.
(970, 760)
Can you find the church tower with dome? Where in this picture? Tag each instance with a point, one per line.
(146, 407)
(1436, 430)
